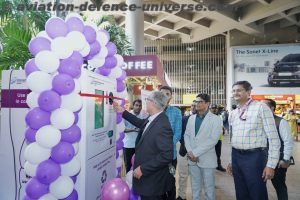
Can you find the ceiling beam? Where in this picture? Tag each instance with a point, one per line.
(264, 2)
(291, 19)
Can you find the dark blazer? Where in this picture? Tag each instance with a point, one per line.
(153, 153)
(182, 149)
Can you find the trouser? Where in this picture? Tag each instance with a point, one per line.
(279, 183)
(171, 195)
(150, 197)
(183, 172)
(128, 153)
(198, 177)
(218, 149)
(247, 169)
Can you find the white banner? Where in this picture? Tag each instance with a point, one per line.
(271, 69)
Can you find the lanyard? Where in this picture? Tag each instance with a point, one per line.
(242, 114)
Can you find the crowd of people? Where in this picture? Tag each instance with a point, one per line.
(261, 142)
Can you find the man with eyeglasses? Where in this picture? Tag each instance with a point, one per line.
(253, 126)
(201, 135)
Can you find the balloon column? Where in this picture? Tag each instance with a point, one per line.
(54, 101)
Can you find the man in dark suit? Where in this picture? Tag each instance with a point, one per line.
(154, 149)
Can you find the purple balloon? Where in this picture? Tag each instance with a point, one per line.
(122, 136)
(117, 154)
(76, 117)
(28, 198)
(74, 178)
(119, 118)
(120, 86)
(71, 134)
(112, 49)
(48, 171)
(75, 24)
(119, 145)
(30, 135)
(72, 196)
(68, 67)
(95, 48)
(90, 34)
(133, 195)
(63, 84)
(35, 189)
(110, 62)
(30, 67)
(122, 77)
(49, 100)
(115, 189)
(39, 44)
(77, 58)
(63, 152)
(36, 118)
(103, 71)
(56, 27)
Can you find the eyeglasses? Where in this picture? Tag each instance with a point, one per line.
(200, 101)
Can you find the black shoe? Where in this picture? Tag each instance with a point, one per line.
(220, 168)
(179, 198)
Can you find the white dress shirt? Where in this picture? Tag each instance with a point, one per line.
(252, 127)
(286, 136)
(150, 119)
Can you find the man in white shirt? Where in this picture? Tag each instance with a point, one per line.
(252, 127)
(202, 133)
(286, 151)
(131, 133)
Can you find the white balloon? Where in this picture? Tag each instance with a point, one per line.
(76, 40)
(61, 47)
(122, 94)
(120, 60)
(62, 118)
(47, 61)
(62, 187)
(48, 136)
(120, 127)
(73, 15)
(102, 38)
(116, 72)
(86, 50)
(32, 99)
(72, 102)
(97, 61)
(120, 153)
(103, 52)
(44, 35)
(39, 81)
(70, 168)
(77, 88)
(76, 147)
(30, 169)
(119, 162)
(129, 177)
(36, 154)
(48, 197)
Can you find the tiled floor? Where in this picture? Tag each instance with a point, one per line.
(225, 186)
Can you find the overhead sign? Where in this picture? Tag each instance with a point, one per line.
(144, 65)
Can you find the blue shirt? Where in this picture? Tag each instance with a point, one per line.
(198, 122)
(175, 119)
(130, 137)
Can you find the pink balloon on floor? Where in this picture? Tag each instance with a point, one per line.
(115, 189)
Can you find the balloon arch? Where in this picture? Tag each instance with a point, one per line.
(52, 75)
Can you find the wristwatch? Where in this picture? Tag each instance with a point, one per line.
(286, 161)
